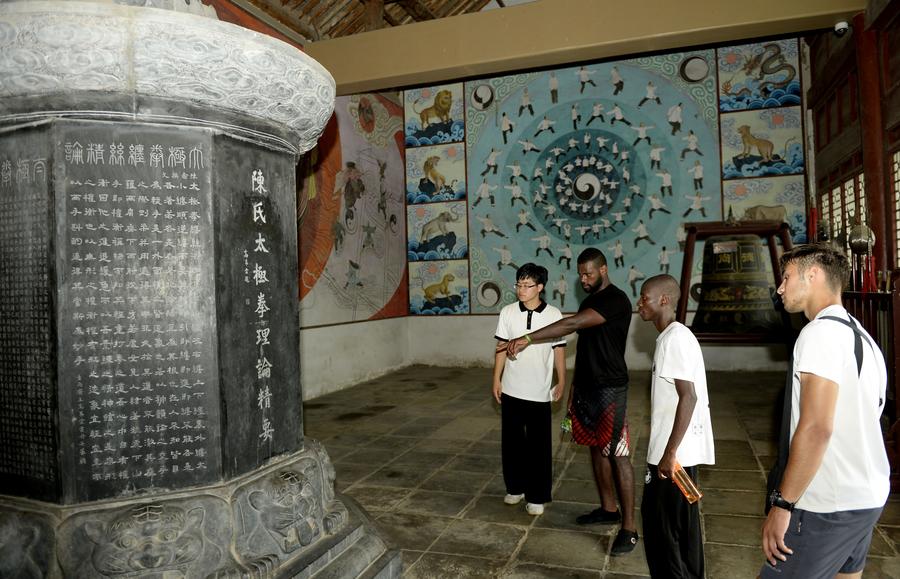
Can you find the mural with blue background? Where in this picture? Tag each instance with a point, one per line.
(434, 115)
(616, 155)
(760, 75)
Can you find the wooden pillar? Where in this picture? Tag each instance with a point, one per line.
(872, 125)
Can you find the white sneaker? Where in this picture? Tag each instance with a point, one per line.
(534, 509)
(513, 499)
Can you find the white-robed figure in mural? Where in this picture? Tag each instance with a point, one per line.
(697, 200)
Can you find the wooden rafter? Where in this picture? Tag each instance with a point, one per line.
(419, 11)
(323, 19)
(374, 14)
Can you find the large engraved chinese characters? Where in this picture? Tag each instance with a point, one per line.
(149, 345)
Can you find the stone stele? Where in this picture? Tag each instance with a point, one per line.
(150, 396)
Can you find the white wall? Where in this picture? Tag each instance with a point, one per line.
(336, 357)
(469, 341)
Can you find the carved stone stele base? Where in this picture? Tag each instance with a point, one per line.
(283, 520)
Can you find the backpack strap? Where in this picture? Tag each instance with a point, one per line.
(857, 338)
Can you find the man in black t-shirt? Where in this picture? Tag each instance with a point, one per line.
(599, 392)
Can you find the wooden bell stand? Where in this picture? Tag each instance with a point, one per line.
(767, 230)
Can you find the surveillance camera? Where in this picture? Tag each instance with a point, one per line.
(841, 28)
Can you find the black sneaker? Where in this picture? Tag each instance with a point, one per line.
(599, 516)
(625, 543)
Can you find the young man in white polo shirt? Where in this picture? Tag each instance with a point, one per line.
(524, 389)
(836, 480)
(680, 433)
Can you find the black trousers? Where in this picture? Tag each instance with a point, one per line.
(526, 448)
(672, 540)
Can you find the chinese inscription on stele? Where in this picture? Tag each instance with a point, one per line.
(136, 330)
(257, 265)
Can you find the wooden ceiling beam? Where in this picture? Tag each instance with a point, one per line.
(335, 14)
(276, 15)
(390, 19)
(419, 11)
(374, 14)
(351, 22)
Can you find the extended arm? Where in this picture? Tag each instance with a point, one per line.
(687, 400)
(559, 361)
(818, 399)
(584, 319)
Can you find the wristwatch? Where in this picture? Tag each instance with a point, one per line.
(776, 500)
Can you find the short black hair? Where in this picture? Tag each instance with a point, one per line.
(832, 261)
(592, 254)
(534, 272)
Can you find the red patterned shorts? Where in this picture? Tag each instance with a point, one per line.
(610, 431)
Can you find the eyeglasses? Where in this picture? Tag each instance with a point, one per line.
(524, 286)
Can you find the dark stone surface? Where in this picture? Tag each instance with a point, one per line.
(172, 268)
(26, 544)
(243, 215)
(137, 352)
(283, 520)
(28, 453)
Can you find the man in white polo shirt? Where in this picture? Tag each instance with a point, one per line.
(524, 389)
(836, 481)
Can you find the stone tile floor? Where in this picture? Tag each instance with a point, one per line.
(420, 450)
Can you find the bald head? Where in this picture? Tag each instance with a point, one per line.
(664, 285)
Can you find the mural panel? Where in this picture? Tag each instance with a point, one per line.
(759, 75)
(439, 287)
(436, 173)
(351, 215)
(781, 198)
(434, 115)
(763, 143)
(437, 231)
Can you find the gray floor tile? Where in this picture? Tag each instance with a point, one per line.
(475, 463)
(418, 458)
(535, 571)
(744, 480)
(440, 566)
(494, 510)
(457, 482)
(448, 446)
(411, 530)
(377, 498)
(577, 491)
(565, 548)
(479, 539)
(495, 487)
(730, 562)
(368, 455)
(435, 503)
(398, 476)
(347, 474)
(716, 502)
(733, 530)
(882, 568)
(891, 514)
